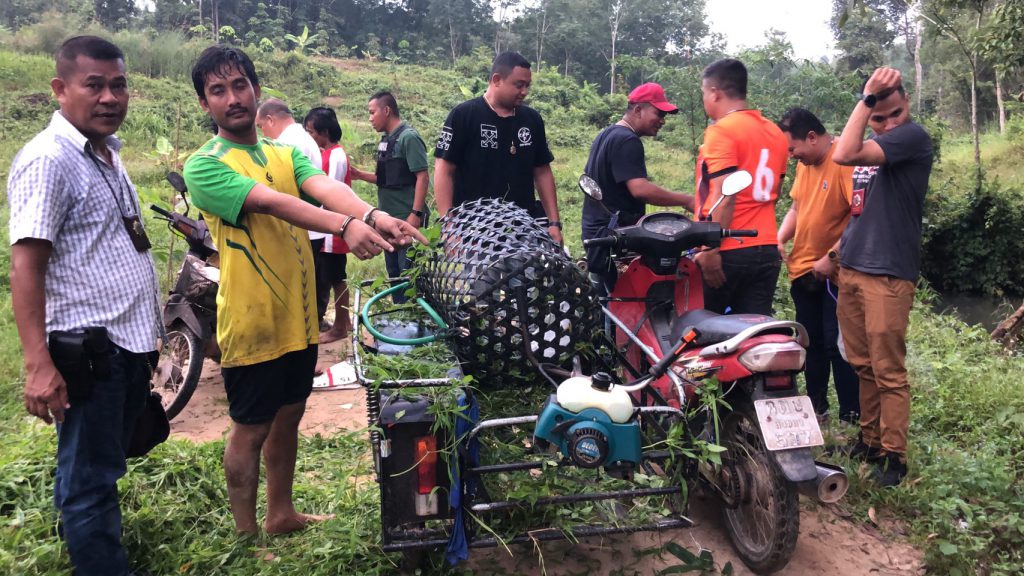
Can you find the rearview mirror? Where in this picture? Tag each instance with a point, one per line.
(590, 187)
(177, 182)
(735, 183)
(732, 185)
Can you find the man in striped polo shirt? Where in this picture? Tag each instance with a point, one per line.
(82, 280)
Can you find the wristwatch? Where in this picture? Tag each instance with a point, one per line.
(421, 214)
(555, 223)
(833, 256)
(870, 100)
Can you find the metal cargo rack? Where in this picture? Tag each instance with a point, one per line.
(397, 417)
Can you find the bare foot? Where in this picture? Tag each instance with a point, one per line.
(332, 335)
(294, 523)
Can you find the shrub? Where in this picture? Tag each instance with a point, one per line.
(52, 29)
(972, 241)
(164, 54)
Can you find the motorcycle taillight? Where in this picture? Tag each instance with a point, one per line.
(426, 500)
(774, 357)
(426, 464)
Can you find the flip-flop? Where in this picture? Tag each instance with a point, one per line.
(341, 376)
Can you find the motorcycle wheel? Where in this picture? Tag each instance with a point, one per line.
(178, 368)
(765, 522)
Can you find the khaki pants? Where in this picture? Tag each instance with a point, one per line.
(874, 312)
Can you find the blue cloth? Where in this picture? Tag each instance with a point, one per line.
(458, 543)
(91, 444)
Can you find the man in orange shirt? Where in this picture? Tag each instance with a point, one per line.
(741, 275)
(815, 223)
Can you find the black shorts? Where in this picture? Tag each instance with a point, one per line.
(330, 268)
(256, 392)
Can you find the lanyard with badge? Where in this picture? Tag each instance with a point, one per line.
(132, 222)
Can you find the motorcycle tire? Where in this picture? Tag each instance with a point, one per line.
(177, 371)
(765, 522)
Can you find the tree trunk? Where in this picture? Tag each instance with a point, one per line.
(918, 68)
(612, 89)
(542, 30)
(999, 103)
(613, 22)
(451, 39)
(216, 21)
(974, 111)
(1008, 327)
(975, 132)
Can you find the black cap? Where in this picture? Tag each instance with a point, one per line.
(601, 381)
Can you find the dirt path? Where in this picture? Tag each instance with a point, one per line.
(829, 543)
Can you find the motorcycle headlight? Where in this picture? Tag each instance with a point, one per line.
(774, 357)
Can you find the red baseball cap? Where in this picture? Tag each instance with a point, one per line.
(653, 94)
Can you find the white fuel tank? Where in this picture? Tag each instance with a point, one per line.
(580, 392)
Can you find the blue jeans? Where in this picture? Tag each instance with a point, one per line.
(750, 278)
(816, 310)
(90, 458)
(396, 264)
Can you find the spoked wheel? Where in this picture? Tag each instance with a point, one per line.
(178, 368)
(764, 521)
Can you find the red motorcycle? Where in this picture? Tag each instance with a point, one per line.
(757, 415)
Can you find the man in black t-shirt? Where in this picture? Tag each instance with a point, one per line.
(495, 147)
(617, 163)
(879, 257)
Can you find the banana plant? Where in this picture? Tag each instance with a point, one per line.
(304, 40)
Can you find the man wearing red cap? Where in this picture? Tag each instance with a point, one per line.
(741, 275)
(617, 163)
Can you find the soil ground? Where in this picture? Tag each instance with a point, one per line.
(829, 544)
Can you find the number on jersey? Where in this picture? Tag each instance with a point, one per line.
(764, 179)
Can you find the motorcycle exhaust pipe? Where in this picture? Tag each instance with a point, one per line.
(830, 485)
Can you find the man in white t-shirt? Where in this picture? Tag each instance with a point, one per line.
(275, 120)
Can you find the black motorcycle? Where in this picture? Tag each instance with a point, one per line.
(190, 313)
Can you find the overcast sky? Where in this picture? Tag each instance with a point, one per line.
(744, 23)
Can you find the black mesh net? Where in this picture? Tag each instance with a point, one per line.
(508, 292)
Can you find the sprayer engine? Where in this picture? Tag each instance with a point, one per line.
(592, 424)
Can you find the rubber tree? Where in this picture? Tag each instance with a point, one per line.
(1003, 46)
(962, 21)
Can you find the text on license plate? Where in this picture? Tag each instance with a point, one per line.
(788, 423)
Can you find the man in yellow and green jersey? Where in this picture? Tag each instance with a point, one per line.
(249, 192)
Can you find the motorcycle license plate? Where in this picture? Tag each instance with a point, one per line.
(788, 423)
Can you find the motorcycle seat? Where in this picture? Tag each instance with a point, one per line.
(713, 328)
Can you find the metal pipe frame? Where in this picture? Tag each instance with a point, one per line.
(548, 535)
(575, 498)
(672, 376)
(732, 344)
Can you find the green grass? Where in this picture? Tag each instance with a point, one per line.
(963, 504)
(1001, 158)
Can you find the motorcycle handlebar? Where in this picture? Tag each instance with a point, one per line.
(736, 233)
(603, 241)
(160, 211)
